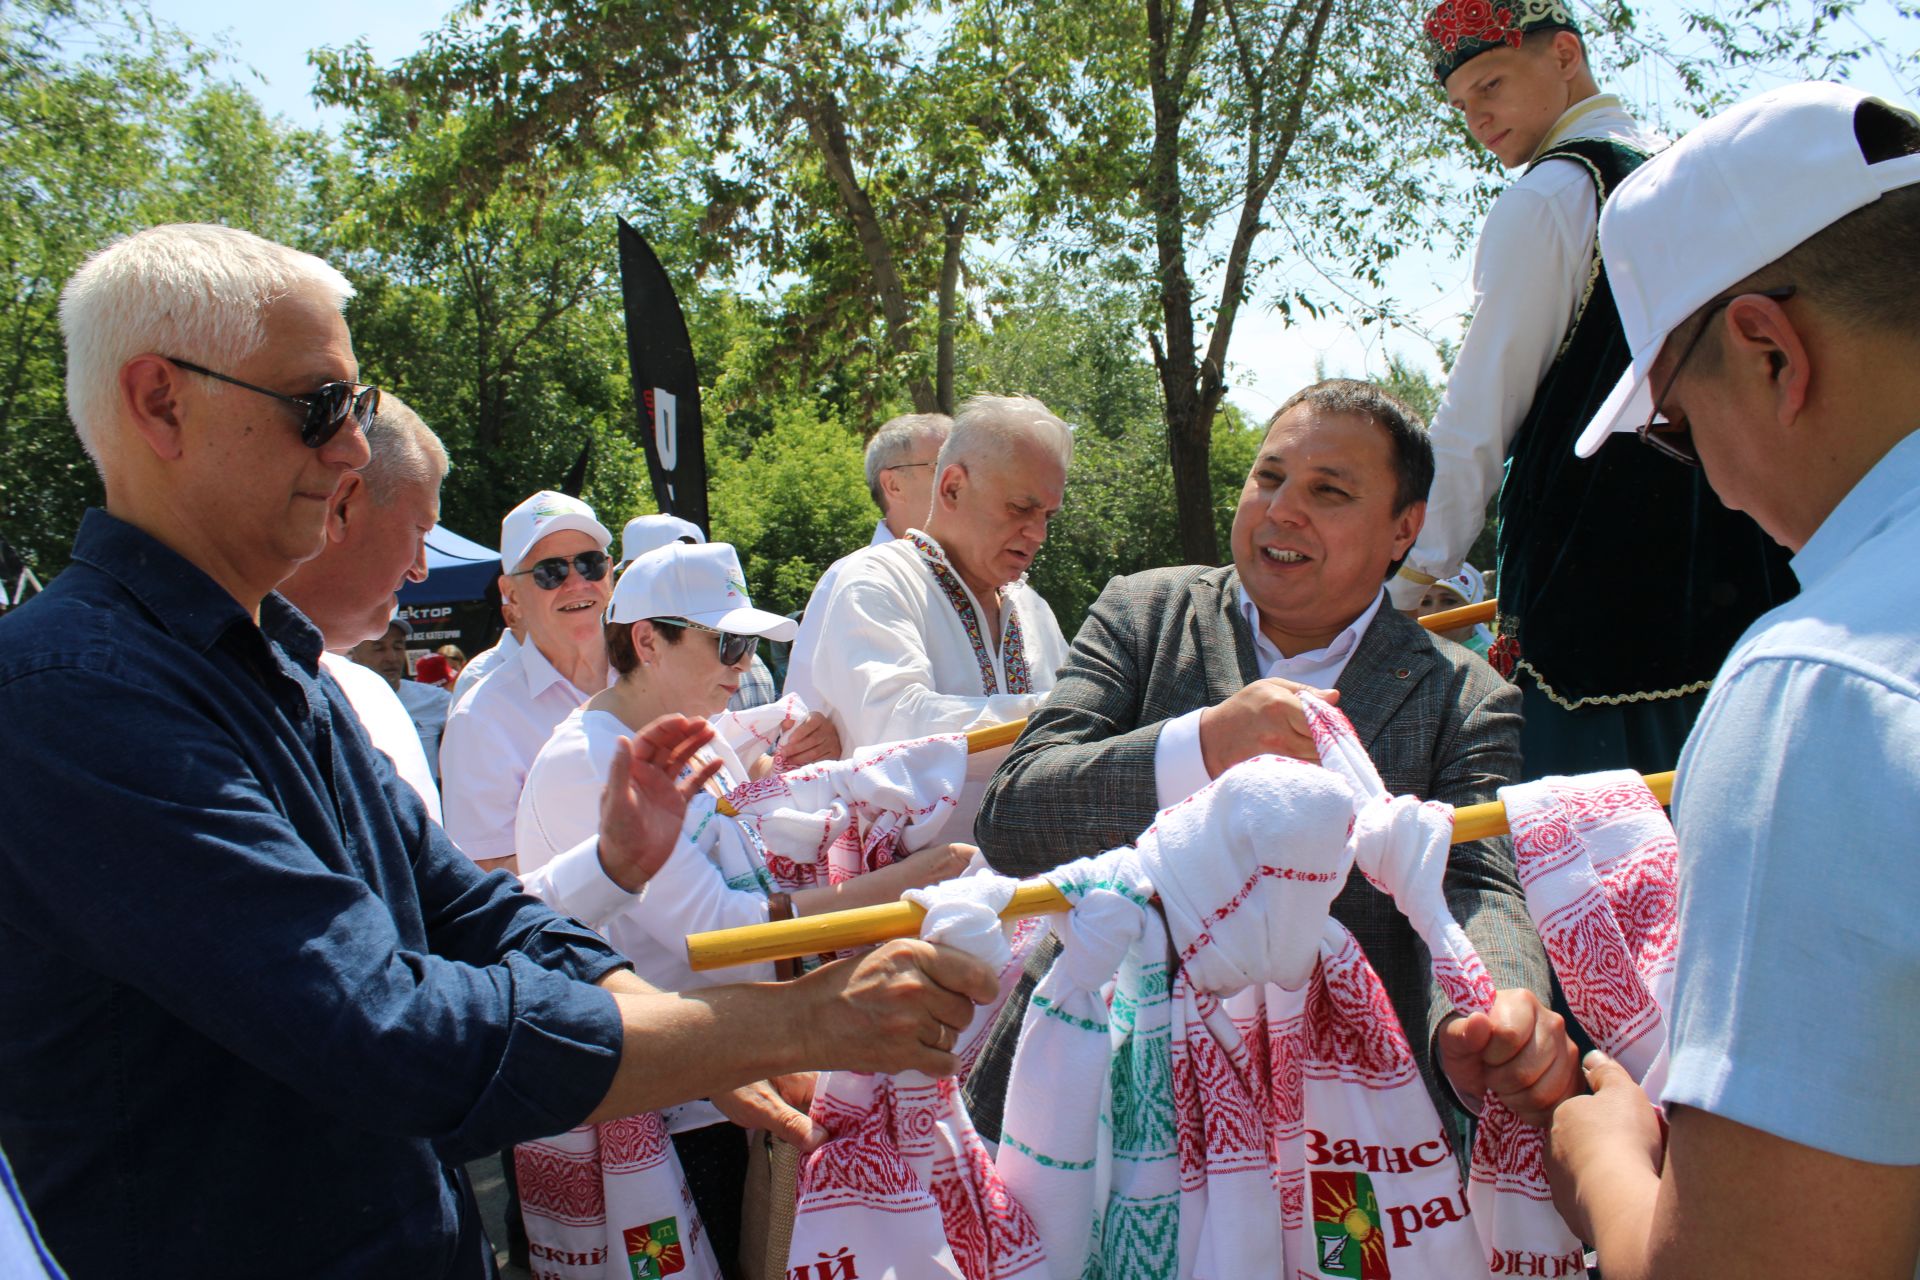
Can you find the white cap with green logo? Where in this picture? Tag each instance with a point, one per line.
(703, 584)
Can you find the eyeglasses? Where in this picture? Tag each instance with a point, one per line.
(548, 574)
(733, 648)
(1675, 438)
(904, 466)
(323, 411)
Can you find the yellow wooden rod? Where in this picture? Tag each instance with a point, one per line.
(1466, 615)
(987, 739)
(865, 926)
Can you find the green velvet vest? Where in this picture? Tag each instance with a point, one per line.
(1622, 577)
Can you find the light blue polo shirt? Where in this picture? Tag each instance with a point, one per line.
(1796, 1006)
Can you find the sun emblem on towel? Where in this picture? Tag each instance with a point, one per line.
(1346, 1227)
(653, 1251)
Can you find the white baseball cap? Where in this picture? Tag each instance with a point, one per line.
(701, 583)
(1732, 196)
(544, 513)
(649, 533)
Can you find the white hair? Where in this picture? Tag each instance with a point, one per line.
(191, 290)
(404, 450)
(987, 428)
(895, 440)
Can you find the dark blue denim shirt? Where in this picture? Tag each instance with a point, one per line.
(255, 1007)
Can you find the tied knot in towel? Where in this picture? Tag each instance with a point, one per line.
(1096, 936)
(1246, 870)
(964, 913)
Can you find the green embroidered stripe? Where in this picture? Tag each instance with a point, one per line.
(1051, 1163)
(1053, 1010)
(1074, 890)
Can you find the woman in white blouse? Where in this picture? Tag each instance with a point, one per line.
(680, 633)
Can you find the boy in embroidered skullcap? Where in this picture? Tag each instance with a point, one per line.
(1542, 352)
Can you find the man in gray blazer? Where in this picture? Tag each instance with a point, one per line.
(1180, 673)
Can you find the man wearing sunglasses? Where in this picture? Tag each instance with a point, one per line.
(258, 1009)
(1776, 345)
(558, 581)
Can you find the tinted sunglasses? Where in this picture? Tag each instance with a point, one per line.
(548, 574)
(323, 411)
(733, 647)
(1675, 439)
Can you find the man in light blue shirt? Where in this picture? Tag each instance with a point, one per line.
(1767, 270)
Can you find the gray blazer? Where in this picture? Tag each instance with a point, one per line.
(1436, 719)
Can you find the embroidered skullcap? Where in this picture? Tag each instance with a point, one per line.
(1459, 30)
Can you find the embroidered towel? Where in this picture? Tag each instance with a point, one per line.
(905, 1187)
(609, 1200)
(1600, 866)
(826, 822)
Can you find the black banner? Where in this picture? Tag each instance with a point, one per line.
(666, 386)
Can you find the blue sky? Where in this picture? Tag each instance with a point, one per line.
(1270, 357)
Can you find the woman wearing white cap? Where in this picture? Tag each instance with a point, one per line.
(680, 633)
(1463, 588)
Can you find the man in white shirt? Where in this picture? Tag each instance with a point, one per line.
(558, 580)
(937, 631)
(377, 523)
(1542, 351)
(426, 705)
(900, 471)
(1779, 352)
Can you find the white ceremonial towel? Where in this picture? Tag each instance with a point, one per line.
(905, 1187)
(826, 822)
(1600, 867)
(609, 1202)
(1056, 1148)
(1402, 845)
(760, 731)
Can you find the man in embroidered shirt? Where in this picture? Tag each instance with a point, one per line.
(900, 475)
(1180, 673)
(1543, 350)
(1780, 341)
(377, 526)
(258, 1009)
(937, 631)
(557, 579)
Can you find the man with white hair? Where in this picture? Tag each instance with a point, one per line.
(376, 542)
(554, 550)
(258, 1008)
(938, 631)
(1776, 347)
(900, 468)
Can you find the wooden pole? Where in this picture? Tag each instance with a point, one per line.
(1466, 615)
(865, 926)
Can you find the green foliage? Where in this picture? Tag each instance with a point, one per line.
(792, 505)
(109, 122)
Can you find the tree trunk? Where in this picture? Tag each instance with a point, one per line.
(829, 133)
(956, 225)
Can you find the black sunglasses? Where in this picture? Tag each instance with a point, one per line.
(323, 411)
(1675, 439)
(732, 647)
(548, 574)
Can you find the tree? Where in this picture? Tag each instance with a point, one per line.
(109, 121)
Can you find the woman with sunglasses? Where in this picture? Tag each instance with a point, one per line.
(680, 633)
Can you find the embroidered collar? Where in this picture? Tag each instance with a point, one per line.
(1013, 648)
(1572, 119)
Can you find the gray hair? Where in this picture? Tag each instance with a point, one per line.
(191, 290)
(405, 452)
(894, 442)
(987, 428)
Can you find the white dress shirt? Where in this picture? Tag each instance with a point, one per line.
(427, 705)
(900, 663)
(491, 738)
(387, 723)
(556, 832)
(1179, 769)
(483, 662)
(806, 641)
(1530, 270)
